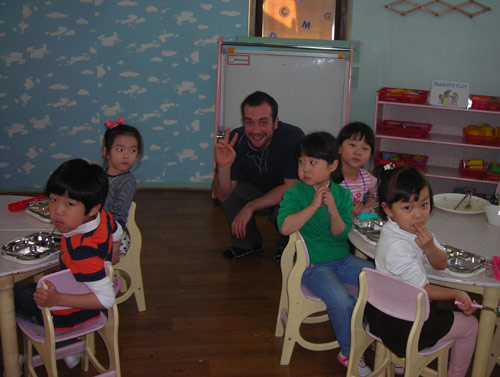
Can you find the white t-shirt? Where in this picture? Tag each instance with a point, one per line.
(398, 254)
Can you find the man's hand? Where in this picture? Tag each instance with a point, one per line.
(224, 152)
(46, 297)
(239, 225)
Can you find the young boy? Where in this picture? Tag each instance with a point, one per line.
(76, 190)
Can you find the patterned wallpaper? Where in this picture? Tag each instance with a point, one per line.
(67, 66)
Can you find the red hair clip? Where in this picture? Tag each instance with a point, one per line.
(111, 124)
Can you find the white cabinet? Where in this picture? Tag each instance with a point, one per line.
(445, 145)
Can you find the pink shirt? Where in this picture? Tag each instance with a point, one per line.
(364, 183)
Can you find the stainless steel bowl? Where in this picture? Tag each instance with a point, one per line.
(369, 227)
(463, 261)
(33, 246)
(39, 207)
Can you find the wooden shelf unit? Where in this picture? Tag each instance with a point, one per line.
(445, 145)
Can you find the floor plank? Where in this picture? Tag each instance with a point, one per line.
(206, 316)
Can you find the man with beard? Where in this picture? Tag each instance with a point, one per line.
(256, 164)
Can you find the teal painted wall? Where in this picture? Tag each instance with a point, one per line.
(410, 51)
(67, 66)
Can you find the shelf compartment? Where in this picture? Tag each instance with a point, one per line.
(403, 95)
(412, 130)
(436, 138)
(398, 159)
(485, 102)
(444, 172)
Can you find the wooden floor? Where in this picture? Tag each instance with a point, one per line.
(206, 315)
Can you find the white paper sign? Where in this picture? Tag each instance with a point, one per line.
(449, 93)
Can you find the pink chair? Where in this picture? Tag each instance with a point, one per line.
(400, 300)
(44, 338)
(297, 305)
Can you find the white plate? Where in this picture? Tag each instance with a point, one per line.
(447, 202)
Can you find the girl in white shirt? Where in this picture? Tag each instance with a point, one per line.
(406, 245)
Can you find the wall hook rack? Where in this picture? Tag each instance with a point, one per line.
(429, 7)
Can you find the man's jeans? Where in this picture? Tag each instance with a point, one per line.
(328, 281)
(242, 194)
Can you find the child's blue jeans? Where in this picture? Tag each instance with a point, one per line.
(327, 281)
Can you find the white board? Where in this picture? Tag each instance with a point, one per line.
(311, 88)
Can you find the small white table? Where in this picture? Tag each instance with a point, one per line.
(471, 233)
(14, 225)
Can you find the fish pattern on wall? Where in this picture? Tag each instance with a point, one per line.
(68, 66)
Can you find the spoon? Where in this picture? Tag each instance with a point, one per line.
(497, 311)
(460, 202)
(468, 205)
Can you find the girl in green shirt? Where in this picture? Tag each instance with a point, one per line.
(321, 210)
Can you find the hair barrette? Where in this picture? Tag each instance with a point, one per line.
(111, 124)
(389, 166)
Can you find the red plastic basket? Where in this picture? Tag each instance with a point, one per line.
(485, 102)
(417, 160)
(403, 95)
(471, 173)
(481, 139)
(405, 129)
(492, 174)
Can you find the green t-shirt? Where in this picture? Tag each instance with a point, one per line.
(322, 245)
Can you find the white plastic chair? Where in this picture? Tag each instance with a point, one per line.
(44, 338)
(401, 300)
(128, 269)
(297, 304)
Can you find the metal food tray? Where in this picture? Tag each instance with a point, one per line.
(39, 208)
(463, 261)
(33, 246)
(369, 227)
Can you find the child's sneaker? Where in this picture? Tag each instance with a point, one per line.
(73, 360)
(363, 369)
(399, 370)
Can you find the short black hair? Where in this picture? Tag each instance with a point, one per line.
(359, 131)
(320, 145)
(258, 98)
(401, 183)
(84, 182)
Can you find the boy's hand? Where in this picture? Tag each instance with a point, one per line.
(46, 297)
